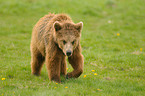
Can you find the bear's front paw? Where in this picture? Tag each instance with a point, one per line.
(55, 79)
(58, 81)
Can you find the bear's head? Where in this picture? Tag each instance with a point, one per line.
(67, 36)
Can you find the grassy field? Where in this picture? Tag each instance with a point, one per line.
(113, 45)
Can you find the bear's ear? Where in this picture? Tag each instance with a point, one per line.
(79, 26)
(57, 26)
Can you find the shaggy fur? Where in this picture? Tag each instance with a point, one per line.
(54, 37)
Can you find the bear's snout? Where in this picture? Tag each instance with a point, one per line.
(68, 53)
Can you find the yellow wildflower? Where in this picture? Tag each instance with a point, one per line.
(93, 70)
(140, 49)
(95, 74)
(85, 76)
(99, 89)
(55, 87)
(3, 78)
(66, 68)
(66, 87)
(118, 34)
(56, 83)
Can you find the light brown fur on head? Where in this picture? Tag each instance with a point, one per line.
(67, 35)
(53, 37)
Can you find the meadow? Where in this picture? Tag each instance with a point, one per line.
(113, 45)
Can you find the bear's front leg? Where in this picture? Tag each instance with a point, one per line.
(53, 67)
(63, 66)
(77, 62)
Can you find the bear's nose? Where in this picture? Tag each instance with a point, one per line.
(68, 53)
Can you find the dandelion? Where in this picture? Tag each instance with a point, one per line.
(56, 83)
(118, 34)
(109, 21)
(66, 68)
(93, 70)
(99, 89)
(95, 74)
(85, 76)
(3, 78)
(66, 87)
(55, 87)
(140, 49)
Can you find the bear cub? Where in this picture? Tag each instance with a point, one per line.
(55, 37)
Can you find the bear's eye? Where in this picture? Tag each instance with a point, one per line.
(73, 42)
(64, 42)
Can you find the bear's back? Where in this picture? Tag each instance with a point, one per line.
(42, 24)
(45, 24)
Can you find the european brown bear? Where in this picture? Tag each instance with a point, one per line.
(54, 37)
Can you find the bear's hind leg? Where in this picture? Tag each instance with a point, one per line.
(37, 61)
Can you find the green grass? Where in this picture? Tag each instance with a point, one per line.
(118, 60)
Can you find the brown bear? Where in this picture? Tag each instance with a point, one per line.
(54, 37)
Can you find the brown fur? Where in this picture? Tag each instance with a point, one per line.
(54, 37)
